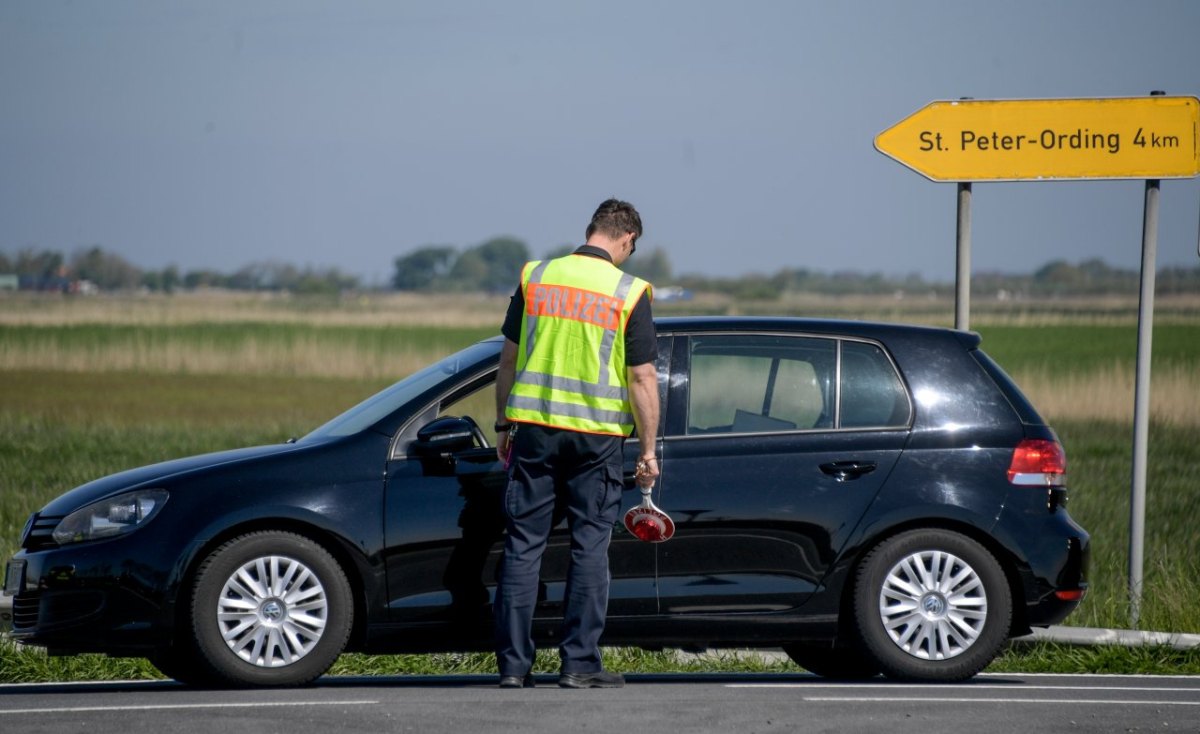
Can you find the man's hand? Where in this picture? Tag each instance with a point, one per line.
(647, 471)
(502, 439)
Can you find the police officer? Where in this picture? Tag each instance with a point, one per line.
(576, 377)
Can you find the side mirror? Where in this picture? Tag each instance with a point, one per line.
(446, 436)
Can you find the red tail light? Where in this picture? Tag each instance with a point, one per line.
(1037, 462)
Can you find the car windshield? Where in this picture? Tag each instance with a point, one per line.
(381, 404)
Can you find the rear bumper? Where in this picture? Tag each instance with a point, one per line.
(1055, 581)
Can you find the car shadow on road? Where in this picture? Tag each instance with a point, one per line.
(547, 680)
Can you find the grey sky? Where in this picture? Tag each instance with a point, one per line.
(344, 134)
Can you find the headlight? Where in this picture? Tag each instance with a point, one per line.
(113, 516)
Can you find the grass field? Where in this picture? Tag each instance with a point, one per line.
(91, 390)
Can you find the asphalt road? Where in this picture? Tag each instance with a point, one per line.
(743, 704)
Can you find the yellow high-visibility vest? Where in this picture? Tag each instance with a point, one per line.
(571, 360)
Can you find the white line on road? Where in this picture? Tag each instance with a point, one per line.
(961, 687)
(1060, 701)
(176, 706)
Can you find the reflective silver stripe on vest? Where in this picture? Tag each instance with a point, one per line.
(570, 384)
(610, 335)
(532, 319)
(553, 407)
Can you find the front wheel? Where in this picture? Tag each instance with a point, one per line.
(270, 609)
(932, 605)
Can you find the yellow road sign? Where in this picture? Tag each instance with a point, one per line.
(1049, 139)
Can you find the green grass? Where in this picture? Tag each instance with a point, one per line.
(1099, 464)
(1048, 657)
(1080, 349)
(59, 429)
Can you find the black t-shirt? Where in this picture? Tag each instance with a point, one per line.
(641, 344)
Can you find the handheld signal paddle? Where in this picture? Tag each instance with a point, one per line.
(647, 522)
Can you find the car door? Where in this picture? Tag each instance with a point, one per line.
(444, 528)
(443, 522)
(776, 446)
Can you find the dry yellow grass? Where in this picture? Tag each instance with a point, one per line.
(306, 357)
(477, 309)
(1107, 395)
(218, 307)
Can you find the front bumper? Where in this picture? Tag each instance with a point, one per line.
(95, 597)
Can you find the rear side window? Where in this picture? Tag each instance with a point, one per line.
(768, 383)
(1016, 398)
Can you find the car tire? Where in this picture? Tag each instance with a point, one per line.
(184, 665)
(270, 609)
(932, 605)
(834, 662)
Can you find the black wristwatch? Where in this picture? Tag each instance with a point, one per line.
(502, 427)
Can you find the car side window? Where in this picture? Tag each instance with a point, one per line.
(760, 384)
(872, 394)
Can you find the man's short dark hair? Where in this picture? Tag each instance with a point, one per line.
(614, 218)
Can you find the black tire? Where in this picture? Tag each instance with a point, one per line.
(184, 665)
(931, 605)
(270, 609)
(836, 663)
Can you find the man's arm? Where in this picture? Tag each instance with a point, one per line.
(643, 393)
(505, 377)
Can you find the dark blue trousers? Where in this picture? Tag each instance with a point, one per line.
(575, 473)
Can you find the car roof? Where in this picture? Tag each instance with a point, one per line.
(881, 331)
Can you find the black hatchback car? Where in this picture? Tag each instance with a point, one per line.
(872, 498)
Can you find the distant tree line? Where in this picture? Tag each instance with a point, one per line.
(494, 266)
(1055, 279)
(94, 268)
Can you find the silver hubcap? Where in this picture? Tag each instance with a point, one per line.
(933, 605)
(272, 611)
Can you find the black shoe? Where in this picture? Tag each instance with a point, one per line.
(598, 679)
(517, 681)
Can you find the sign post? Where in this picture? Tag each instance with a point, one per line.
(1150, 138)
(1141, 403)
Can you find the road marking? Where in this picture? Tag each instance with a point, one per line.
(1060, 701)
(962, 687)
(177, 706)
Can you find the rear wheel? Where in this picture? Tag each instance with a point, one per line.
(828, 661)
(270, 609)
(932, 605)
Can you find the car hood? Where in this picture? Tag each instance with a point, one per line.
(156, 474)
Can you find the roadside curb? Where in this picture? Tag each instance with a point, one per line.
(1091, 636)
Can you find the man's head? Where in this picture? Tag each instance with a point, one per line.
(618, 225)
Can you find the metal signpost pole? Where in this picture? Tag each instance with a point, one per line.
(1141, 403)
(962, 278)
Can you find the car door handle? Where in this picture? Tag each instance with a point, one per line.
(844, 471)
